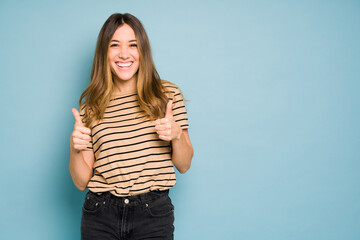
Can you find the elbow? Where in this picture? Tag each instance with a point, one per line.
(78, 184)
(186, 167)
(81, 188)
(184, 170)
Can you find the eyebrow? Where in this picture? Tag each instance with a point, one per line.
(119, 41)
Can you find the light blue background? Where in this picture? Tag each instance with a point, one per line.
(274, 114)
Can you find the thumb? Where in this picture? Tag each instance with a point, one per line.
(168, 113)
(77, 116)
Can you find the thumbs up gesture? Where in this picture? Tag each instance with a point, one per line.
(80, 137)
(167, 128)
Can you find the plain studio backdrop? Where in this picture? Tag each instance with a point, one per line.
(274, 114)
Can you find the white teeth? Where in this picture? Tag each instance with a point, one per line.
(124, 64)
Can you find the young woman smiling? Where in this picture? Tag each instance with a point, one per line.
(130, 132)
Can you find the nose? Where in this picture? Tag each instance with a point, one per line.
(124, 52)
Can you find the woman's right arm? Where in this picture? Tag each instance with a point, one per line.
(81, 160)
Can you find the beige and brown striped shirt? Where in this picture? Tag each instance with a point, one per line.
(130, 158)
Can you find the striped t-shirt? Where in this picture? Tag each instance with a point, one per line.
(130, 158)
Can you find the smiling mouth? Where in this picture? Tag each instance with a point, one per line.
(124, 66)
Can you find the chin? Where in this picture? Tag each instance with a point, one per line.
(125, 78)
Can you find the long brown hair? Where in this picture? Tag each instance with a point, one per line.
(151, 96)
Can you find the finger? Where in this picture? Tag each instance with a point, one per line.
(79, 141)
(165, 138)
(83, 130)
(85, 137)
(77, 116)
(80, 147)
(81, 136)
(168, 113)
(164, 133)
(164, 120)
(161, 127)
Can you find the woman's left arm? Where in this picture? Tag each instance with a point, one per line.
(169, 130)
(182, 151)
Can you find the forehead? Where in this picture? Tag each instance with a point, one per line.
(124, 33)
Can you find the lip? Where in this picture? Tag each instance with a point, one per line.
(128, 65)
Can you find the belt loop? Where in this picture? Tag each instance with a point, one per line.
(107, 197)
(144, 198)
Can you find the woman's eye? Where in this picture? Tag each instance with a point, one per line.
(113, 45)
(133, 45)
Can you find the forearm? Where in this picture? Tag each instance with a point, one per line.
(182, 152)
(80, 171)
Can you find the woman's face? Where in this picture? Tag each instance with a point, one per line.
(123, 54)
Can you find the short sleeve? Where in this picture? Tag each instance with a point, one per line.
(178, 108)
(90, 145)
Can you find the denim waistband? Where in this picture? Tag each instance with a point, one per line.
(130, 200)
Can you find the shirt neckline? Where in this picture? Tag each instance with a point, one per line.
(121, 94)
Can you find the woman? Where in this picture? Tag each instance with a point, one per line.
(131, 130)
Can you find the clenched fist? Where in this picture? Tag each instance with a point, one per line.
(80, 137)
(167, 128)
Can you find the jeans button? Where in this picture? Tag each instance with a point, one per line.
(126, 201)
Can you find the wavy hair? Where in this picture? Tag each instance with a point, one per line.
(151, 95)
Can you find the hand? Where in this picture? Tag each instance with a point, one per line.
(80, 137)
(167, 128)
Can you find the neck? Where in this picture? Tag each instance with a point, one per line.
(124, 86)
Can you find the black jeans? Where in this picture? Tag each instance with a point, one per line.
(145, 216)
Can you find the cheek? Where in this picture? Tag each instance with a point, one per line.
(136, 55)
(110, 59)
(111, 54)
(138, 61)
